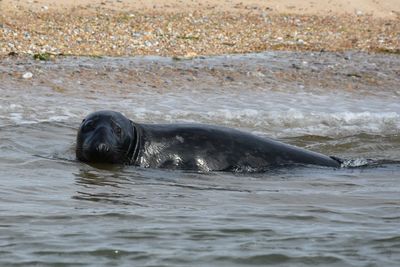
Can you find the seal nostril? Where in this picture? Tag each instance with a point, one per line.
(102, 148)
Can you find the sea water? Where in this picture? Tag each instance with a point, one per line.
(55, 211)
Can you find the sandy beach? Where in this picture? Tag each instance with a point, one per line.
(197, 27)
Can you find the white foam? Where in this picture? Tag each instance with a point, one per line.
(278, 114)
(354, 163)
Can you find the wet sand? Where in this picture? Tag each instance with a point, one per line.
(189, 29)
(276, 71)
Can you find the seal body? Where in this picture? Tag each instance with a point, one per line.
(188, 147)
(206, 147)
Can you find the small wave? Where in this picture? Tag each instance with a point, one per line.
(273, 123)
(355, 163)
(279, 258)
(359, 162)
(289, 123)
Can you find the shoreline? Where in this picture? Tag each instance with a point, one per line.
(110, 30)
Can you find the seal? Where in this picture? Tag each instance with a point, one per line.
(109, 137)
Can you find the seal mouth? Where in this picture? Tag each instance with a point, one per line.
(101, 153)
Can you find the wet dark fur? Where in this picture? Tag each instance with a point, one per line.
(109, 137)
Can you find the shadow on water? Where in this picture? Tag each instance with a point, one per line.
(128, 185)
(104, 183)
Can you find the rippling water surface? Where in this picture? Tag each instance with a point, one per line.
(59, 212)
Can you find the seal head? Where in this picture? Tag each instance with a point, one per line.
(106, 137)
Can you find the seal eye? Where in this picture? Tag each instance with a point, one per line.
(88, 126)
(118, 130)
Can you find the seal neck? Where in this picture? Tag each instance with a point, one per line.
(133, 152)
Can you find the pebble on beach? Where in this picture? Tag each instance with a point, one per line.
(27, 75)
(101, 31)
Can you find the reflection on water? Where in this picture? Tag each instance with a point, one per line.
(57, 211)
